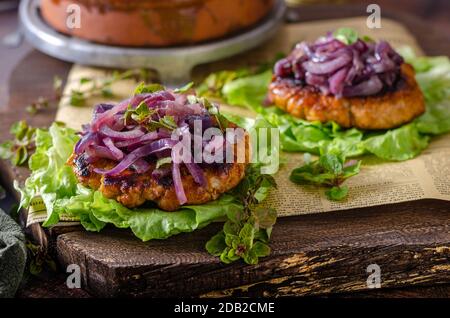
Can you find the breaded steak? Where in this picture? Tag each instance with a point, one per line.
(382, 111)
(133, 189)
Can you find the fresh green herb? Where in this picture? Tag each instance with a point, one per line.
(212, 86)
(163, 161)
(19, 149)
(141, 114)
(77, 98)
(143, 88)
(346, 35)
(330, 170)
(43, 103)
(367, 39)
(39, 259)
(246, 233)
(167, 122)
(184, 89)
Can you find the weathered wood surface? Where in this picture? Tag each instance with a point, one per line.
(312, 254)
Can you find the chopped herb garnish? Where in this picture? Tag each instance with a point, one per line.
(143, 88)
(20, 148)
(330, 170)
(163, 161)
(184, 89)
(246, 233)
(346, 35)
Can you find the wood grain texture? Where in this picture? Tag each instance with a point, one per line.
(313, 254)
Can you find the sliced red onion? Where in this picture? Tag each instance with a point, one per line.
(100, 109)
(106, 117)
(116, 152)
(87, 140)
(197, 173)
(369, 87)
(95, 151)
(315, 80)
(161, 172)
(122, 135)
(327, 67)
(143, 151)
(323, 64)
(141, 166)
(138, 141)
(178, 184)
(336, 81)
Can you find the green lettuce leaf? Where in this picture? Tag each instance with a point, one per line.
(398, 144)
(51, 178)
(95, 211)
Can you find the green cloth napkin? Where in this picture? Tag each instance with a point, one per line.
(13, 255)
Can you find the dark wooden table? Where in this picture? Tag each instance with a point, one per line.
(30, 71)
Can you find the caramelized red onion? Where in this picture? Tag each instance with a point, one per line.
(136, 145)
(332, 67)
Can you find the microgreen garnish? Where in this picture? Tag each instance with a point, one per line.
(330, 170)
(19, 148)
(246, 233)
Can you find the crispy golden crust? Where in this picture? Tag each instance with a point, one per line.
(384, 111)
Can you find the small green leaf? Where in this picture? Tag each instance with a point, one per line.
(331, 163)
(35, 269)
(19, 129)
(231, 228)
(107, 91)
(246, 234)
(168, 122)
(77, 98)
(216, 245)
(85, 80)
(367, 38)
(330, 171)
(346, 35)
(184, 89)
(143, 88)
(224, 256)
(163, 161)
(6, 150)
(337, 193)
(264, 217)
(20, 156)
(260, 249)
(192, 99)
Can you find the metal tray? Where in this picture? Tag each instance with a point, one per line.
(173, 64)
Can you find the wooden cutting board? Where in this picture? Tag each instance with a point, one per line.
(312, 254)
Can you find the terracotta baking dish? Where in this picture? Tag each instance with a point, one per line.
(155, 22)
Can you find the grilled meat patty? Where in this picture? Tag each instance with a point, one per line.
(133, 189)
(382, 111)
